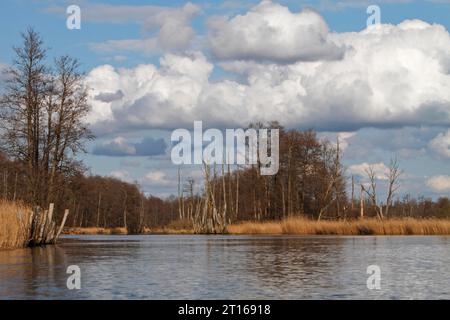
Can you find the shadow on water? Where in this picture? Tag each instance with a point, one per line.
(40, 270)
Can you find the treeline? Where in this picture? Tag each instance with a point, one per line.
(42, 132)
(41, 119)
(311, 182)
(42, 128)
(93, 201)
(107, 202)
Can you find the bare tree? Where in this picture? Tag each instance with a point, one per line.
(361, 203)
(189, 189)
(22, 107)
(394, 185)
(180, 196)
(353, 193)
(66, 130)
(372, 191)
(335, 182)
(125, 198)
(98, 209)
(42, 114)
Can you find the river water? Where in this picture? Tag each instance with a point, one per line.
(230, 267)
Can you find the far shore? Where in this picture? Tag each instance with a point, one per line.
(302, 226)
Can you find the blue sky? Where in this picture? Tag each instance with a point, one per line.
(16, 15)
(121, 41)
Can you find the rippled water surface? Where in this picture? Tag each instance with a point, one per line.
(229, 267)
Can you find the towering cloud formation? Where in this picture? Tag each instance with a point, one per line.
(271, 32)
(299, 74)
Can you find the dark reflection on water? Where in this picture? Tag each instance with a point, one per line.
(229, 267)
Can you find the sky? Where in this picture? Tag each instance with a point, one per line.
(155, 66)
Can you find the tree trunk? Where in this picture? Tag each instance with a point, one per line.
(361, 205)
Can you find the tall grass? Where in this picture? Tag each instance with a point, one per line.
(96, 231)
(14, 225)
(303, 226)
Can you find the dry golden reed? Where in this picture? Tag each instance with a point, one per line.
(14, 225)
(95, 231)
(303, 226)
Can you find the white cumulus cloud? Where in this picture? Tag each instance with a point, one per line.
(158, 178)
(391, 76)
(441, 144)
(380, 169)
(270, 31)
(439, 183)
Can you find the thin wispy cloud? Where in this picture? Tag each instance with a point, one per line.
(161, 27)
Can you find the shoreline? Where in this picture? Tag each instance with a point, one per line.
(304, 227)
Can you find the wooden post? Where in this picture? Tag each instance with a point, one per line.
(61, 227)
(42, 222)
(48, 223)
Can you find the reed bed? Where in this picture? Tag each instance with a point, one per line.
(123, 231)
(95, 231)
(167, 230)
(303, 226)
(15, 225)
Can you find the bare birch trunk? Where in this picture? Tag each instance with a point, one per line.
(361, 205)
(98, 208)
(237, 195)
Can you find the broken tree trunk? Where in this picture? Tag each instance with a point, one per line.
(61, 227)
(43, 226)
(210, 219)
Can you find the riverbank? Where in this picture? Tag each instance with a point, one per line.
(302, 226)
(123, 231)
(22, 226)
(14, 225)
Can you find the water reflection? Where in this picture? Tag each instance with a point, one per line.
(204, 267)
(31, 273)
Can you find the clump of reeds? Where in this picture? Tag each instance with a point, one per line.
(87, 231)
(180, 226)
(304, 226)
(119, 230)
(95, 231)
(15, 225)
